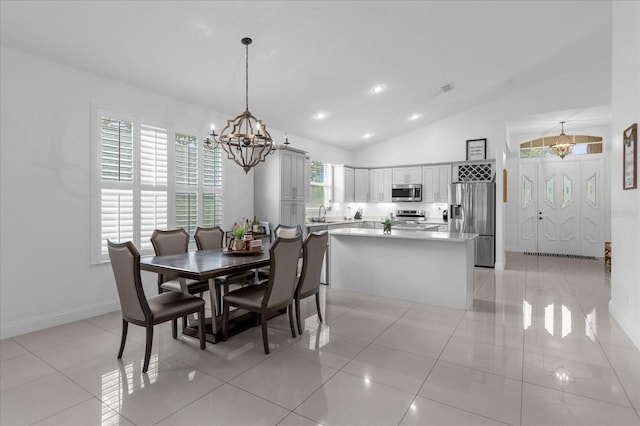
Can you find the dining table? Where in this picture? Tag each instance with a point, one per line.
(206, 265)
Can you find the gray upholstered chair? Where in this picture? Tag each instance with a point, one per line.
(173, 242)
(281, 231)
(313, 250)
(210, 239)
(274, 295)
(287, 231)
(147, 312)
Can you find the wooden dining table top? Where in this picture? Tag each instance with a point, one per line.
(204, 264)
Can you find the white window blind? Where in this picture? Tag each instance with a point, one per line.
(131, 183)
(198, 197)
(142, 182)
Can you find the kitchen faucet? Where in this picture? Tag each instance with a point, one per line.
(320, 215)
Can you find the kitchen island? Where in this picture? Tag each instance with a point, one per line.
(419, 266)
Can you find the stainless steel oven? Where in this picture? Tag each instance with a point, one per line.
(406, 192)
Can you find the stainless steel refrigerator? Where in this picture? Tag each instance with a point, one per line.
(472, 207)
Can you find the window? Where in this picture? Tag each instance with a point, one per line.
(320, 182)
(197, 201)
(133, 194)
(539, 148)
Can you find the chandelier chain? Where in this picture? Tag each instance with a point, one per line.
(246, 73)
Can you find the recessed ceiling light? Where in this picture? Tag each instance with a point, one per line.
(414, 116)
(320, 116)
(366, 136)
(378, 88)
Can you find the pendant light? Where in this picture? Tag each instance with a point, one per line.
(563, 144)
(245, 139)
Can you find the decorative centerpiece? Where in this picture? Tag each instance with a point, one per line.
(387, 226)
(238, 236)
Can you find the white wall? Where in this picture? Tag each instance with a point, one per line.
(45, 273)
(625, 218)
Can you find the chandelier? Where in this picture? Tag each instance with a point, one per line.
(245, 139)
(563, 144)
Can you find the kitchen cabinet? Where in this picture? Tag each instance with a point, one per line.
(292, 182)
(380, 185)
(407, 175)
(307, 179)
(361, 185)
(292, 213)
(435, 185)
(280, 188)
(343, 184)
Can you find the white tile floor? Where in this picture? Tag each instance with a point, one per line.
(375, 361)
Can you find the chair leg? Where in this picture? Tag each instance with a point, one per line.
(202, 329)
(298, 319)
(265, 338)
(174, 328)
(125, 328)
(225, 321)
(318, 306)
(147, 350)
(291, 322)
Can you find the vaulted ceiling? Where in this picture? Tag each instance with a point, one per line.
(311, 57)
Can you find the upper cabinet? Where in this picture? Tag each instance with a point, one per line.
(343, 184)
(435, 184)
(361, 184)
(293, 183)
(407, 175)
(380, 185)
(280, 187)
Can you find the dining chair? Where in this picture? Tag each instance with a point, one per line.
(276, 294)
(313, 251)
(211, 238)
(283, 231)
(287, 231)
(174, 241)
(148, 311)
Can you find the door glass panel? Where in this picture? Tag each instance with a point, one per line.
(592, 187)
(567, 191)
(527, 191)
(548, 191)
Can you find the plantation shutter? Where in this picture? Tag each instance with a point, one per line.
(132, 183)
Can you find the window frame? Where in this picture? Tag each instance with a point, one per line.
(327, 184)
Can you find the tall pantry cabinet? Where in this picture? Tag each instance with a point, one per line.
(281, 188)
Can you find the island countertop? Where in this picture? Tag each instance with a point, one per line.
(405, 234)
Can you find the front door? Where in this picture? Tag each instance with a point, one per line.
(561, 206)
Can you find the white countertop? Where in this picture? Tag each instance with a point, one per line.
(402, 234)
(337, 221)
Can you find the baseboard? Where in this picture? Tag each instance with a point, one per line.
(15, 328)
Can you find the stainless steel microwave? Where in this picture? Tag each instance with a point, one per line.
(406, 192)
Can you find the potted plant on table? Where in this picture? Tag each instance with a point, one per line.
(387, 226)
(238, 236)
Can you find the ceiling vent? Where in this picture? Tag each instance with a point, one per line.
(446, 88)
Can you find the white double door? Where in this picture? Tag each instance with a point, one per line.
(561, 206)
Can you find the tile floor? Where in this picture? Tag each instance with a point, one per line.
(375, 361)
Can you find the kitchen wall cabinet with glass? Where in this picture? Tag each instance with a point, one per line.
(403, 175)
(343, 184)
(280, 188)
(361, 185)
(435, 183)
(380, 185)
